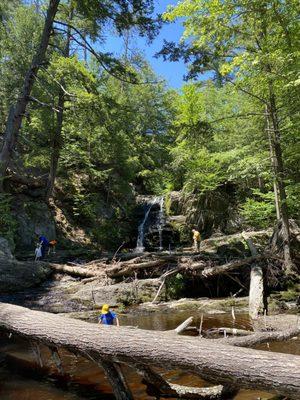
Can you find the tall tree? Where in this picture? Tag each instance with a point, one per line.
(253, 45)
(17, 111)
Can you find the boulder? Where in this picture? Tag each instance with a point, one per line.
(209, 212)
(120, 293)
(16, 275)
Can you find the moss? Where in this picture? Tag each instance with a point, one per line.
(168, 203)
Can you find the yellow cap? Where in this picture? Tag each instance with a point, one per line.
(105, 309)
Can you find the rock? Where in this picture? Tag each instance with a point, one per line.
(125, 293)
(209, 212)
(205, 305)
(16, 276)
(33, 216)
(5, 251)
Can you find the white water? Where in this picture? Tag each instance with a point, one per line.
(141, 229)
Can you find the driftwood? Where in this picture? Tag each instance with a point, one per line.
(125, 269)
(231, 331)
(73, 271)
(128, 268)
(180, 328)
(200, 268)
(225, 268)
(213, 361)
(263, 337)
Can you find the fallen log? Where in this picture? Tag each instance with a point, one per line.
(121, 270)
(73, 271)
(198, 267)
(231, 331)
(263, 337)
(214, 362)
(180, 328)
(225, 268)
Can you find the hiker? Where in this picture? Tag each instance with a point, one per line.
(44, 244)
(196, 239)
(107, 317)
(38, 252)
(52, 246)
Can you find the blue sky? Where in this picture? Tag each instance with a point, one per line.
(172, 72)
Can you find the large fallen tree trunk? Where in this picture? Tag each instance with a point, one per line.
(214, 362)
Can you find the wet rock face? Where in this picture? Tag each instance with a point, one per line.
(210, 213)
(5, 251)
(33, 216)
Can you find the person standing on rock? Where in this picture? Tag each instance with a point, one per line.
(196, 239)
(108, 317)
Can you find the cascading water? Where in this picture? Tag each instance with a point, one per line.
(159, 223)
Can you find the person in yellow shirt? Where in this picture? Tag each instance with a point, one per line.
(196, 239)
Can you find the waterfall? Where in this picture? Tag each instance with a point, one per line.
(159, 223)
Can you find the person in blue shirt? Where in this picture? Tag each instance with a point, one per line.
(107, 317)
(44, 244)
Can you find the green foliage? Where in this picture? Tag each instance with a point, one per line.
(119, 139)
(7, 220)
(259, 211)
(175, 286)
(252, 49)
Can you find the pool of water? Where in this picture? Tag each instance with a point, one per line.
(22, 379)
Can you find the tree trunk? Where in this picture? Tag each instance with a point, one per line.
(276, 155)
(56, 145)
(268, 128)
(16, 112)
(256, 291)
(214, 362)
(57, 139)
(117, 380)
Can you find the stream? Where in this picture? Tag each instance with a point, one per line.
(22, 379)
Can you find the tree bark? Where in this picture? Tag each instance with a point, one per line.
(256, 291)
(73, 271)
(277, 161)
(214, 362)
(263, 337)
(16, 112)
(159, 387)
(57, 139)
(117, 380)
